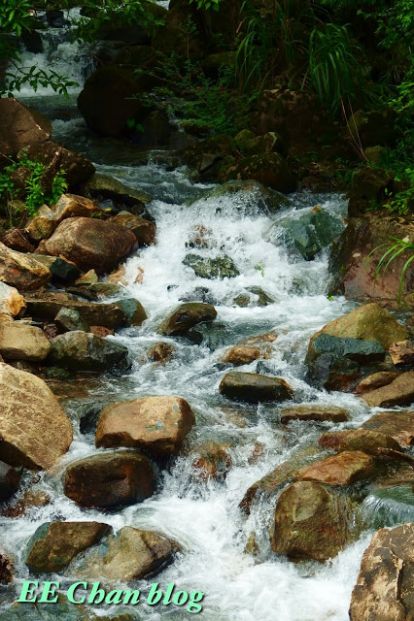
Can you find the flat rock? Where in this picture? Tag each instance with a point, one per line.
(34, 429)
(22, 270)
(254, 388)
(384, 588)
(317, 413)
(344, 468)
(110, 479)
(398, 392)
(55, 544)
(398, 425)
(21, 341)
(157, 424)
(358, 440)
(81, 351)
(376, 380)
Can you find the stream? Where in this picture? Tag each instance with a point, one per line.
(204, 517)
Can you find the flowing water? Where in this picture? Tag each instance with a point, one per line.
(204, 517)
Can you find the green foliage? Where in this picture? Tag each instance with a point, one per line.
(194, 100)
(35, 192)
(207, 5)
(333, 65)
(397, 249)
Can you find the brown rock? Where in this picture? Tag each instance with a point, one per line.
(11, 301)
(187, 316)
(17, 239)
(9, 481)
(55, 544)
(358, 440)
(254, 388)
(402, 353)
(317, 413)
(20, 341)
(22, 270)
(109, 479)
(101, 331)
(68, 206)
(143, 229)
(90, 243)
(35, 431)
(384, 589)
(20, 127)
(30, 499)
(250, 349)
(213, 462)
(342, 469)
(76, 167)
(161, 352)
(398, 425)
(311, 522)
(399, 392)
(376, 380)
(158, 424)
(6, 569)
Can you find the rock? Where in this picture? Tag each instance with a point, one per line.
(11, 301)
(343, 469)
(88, 278)
(109, 479)
(317, 413)
(143, 229)
(30, 499)
(311, 522)
(376, 380)
(161, 352)
(213, 462)
(45, 306)
(104, 187)
(358, 440)
(20, 341)
(250, 144)
(108, 100)
(20, 127)
(309, 232)
(90, 243)
(69, 319)
(398, 392)
(59, 611)
(356, 256)
(9, 481)
(17, 239)
(270, 169)
(6, 569)
(250, 349)
(75, 166)
(402, 353)
(34, 429)
(22, 270)
(62, 272)
(398, 425)
(369, 186)
(84, 352)
(346, 347)
(264, 299)
(219, 267)
(187, 316)
(384, 586)
(55, 544)
(131, 554)
(157, 424)
(254, 388)
(68, 206)
(251, 195)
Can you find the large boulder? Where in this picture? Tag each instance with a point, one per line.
(21, 341)
(46, 306)
(81, 351)
(76, 167)
(22, 270)
(20, 127)
(48, 218)
(187, 316)
(311, 522)
(156, 424)
(254, 388)
(108, 100)
(104, 187)
(131, 554)
(90, 243)
(143, 229)
(55, 544)
(384, 588)
(251, 195)
(308, 233)
(315, 413)
(343, 469)
(398, 392)
(110, 479)
(398, 425)
(34, 430)
(359, 250)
